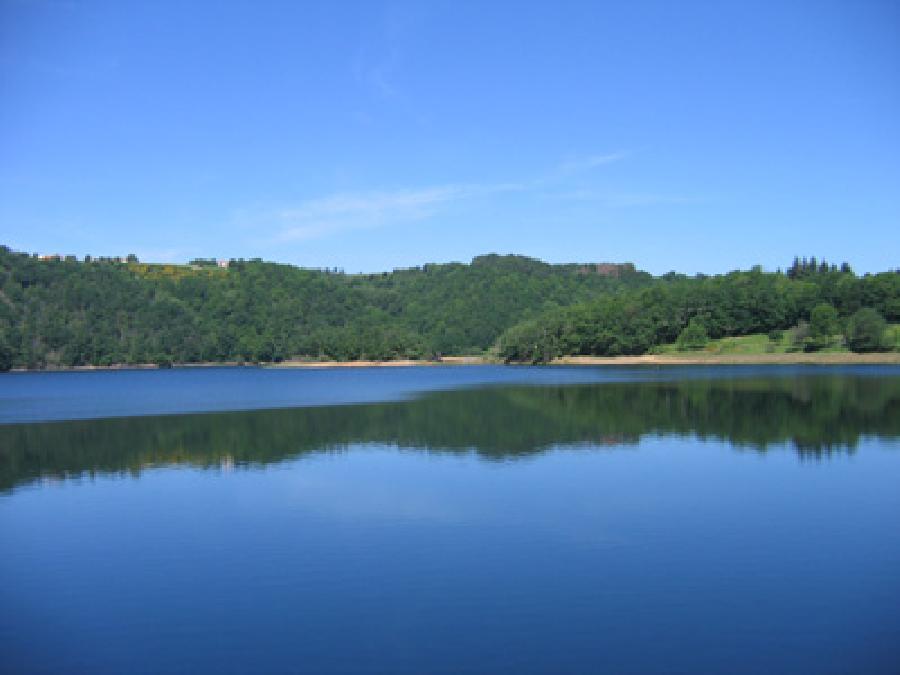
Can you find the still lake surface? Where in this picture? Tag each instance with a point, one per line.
(451, 519)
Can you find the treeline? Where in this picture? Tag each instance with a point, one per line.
(103, 311)
(818, 302)
(66, 312)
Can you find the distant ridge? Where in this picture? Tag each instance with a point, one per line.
(59, 312)
(101, 311)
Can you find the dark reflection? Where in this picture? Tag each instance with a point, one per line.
(815, 415)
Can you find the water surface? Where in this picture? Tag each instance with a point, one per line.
(451, 520)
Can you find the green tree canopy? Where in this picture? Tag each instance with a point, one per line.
(634, 320)
(100, 312)
(824, 324)
(865, 331)
(694, 335)
(62, 312)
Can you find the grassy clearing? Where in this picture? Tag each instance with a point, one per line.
(749, 345)
(893, 336)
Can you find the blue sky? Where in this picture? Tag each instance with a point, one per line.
(678, 135)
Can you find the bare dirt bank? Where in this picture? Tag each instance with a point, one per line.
(126, 366)
(444, 361)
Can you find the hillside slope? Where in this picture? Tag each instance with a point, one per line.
(816, 302)
(68, 312)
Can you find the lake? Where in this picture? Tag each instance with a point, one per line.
(451, 519)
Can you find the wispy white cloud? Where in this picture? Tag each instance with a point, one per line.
(332, 214)
(623, 199)
(579, 164)
(336, 213)
(377, 74)
(378, 61)
(648, 199)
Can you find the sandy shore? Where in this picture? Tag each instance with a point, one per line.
(126, 366)
(647, 359)
(445, 361)
(730, 359)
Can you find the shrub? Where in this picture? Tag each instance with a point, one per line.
(823, 326)
(798, 335)
(866, 331)
(694, 335)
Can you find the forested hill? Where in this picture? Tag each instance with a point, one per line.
(810, 307)
(100, 311)
(65, 312)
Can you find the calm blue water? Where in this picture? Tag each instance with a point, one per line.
(35, 397)
(546, 520)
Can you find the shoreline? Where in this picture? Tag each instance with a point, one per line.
(129, 366)
(699, 359)
(443, 361)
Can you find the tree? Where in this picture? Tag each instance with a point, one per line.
(694, 335)
(799, 334)
(6, 353)
(823, 326)
(865, 331)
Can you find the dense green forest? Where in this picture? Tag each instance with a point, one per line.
(815, 416)
(102, 311)
(68, 312)
(820, 304)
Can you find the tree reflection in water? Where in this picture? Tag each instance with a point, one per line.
(815, 415)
